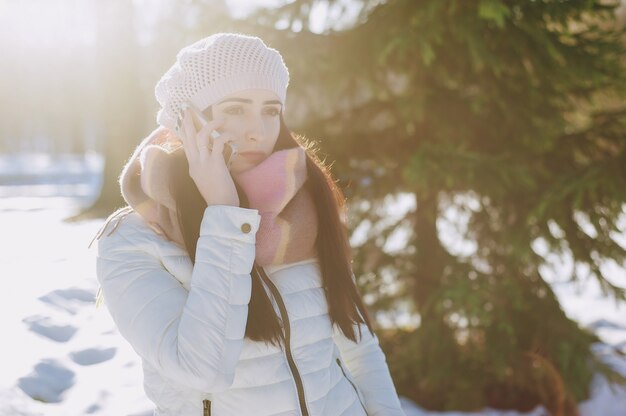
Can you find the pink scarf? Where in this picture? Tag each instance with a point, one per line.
(288, 228)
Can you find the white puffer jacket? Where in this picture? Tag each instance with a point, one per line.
(187, 324)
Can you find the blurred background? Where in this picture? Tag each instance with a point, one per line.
(481, 145)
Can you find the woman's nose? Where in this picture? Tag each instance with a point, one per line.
(256, 130)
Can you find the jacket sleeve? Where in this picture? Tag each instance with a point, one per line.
(366, 363)
(193, 337)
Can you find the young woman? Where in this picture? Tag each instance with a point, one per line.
(229, 272)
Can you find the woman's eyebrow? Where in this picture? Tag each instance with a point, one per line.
(247, 101)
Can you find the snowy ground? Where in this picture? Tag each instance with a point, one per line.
(62, 356)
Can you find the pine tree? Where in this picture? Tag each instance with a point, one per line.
(509, 112)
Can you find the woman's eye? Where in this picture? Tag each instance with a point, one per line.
(234, 111)
(272, 111)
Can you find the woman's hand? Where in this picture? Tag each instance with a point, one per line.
(207, 167)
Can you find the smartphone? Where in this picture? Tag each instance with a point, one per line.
(199, 121)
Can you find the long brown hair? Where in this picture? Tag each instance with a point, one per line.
(346, 308)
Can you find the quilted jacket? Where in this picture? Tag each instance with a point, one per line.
(187, 324)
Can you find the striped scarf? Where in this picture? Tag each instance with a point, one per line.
(288, 227)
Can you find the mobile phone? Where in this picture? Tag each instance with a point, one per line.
(199, 121)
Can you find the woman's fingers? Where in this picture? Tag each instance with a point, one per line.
(190, 135)
(218, 145)
(189, 142)
(206, 136)
(209, 174)
(205, 144)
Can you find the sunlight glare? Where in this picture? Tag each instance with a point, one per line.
(41, 24)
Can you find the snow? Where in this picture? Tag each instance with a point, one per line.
(63, 356)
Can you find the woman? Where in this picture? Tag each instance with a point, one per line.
(229, 272)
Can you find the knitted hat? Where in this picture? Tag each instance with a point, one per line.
(216, 66)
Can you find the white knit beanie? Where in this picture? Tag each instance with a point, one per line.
(216, 66)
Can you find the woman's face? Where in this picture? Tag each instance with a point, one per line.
(252, 119)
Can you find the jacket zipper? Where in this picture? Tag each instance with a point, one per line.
(206, 404)
(353, 385)
(287, 337)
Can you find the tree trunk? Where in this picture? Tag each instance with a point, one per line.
(120, 104)
(429, 259)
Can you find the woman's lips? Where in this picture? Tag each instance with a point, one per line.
(253, 156)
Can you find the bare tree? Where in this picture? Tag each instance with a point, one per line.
(120, 104)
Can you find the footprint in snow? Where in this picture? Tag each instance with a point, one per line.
(96, 407)
(70, 300)
(92, 356)
(47, 382)
(45, 327)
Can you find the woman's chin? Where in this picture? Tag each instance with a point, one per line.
(242, 164)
